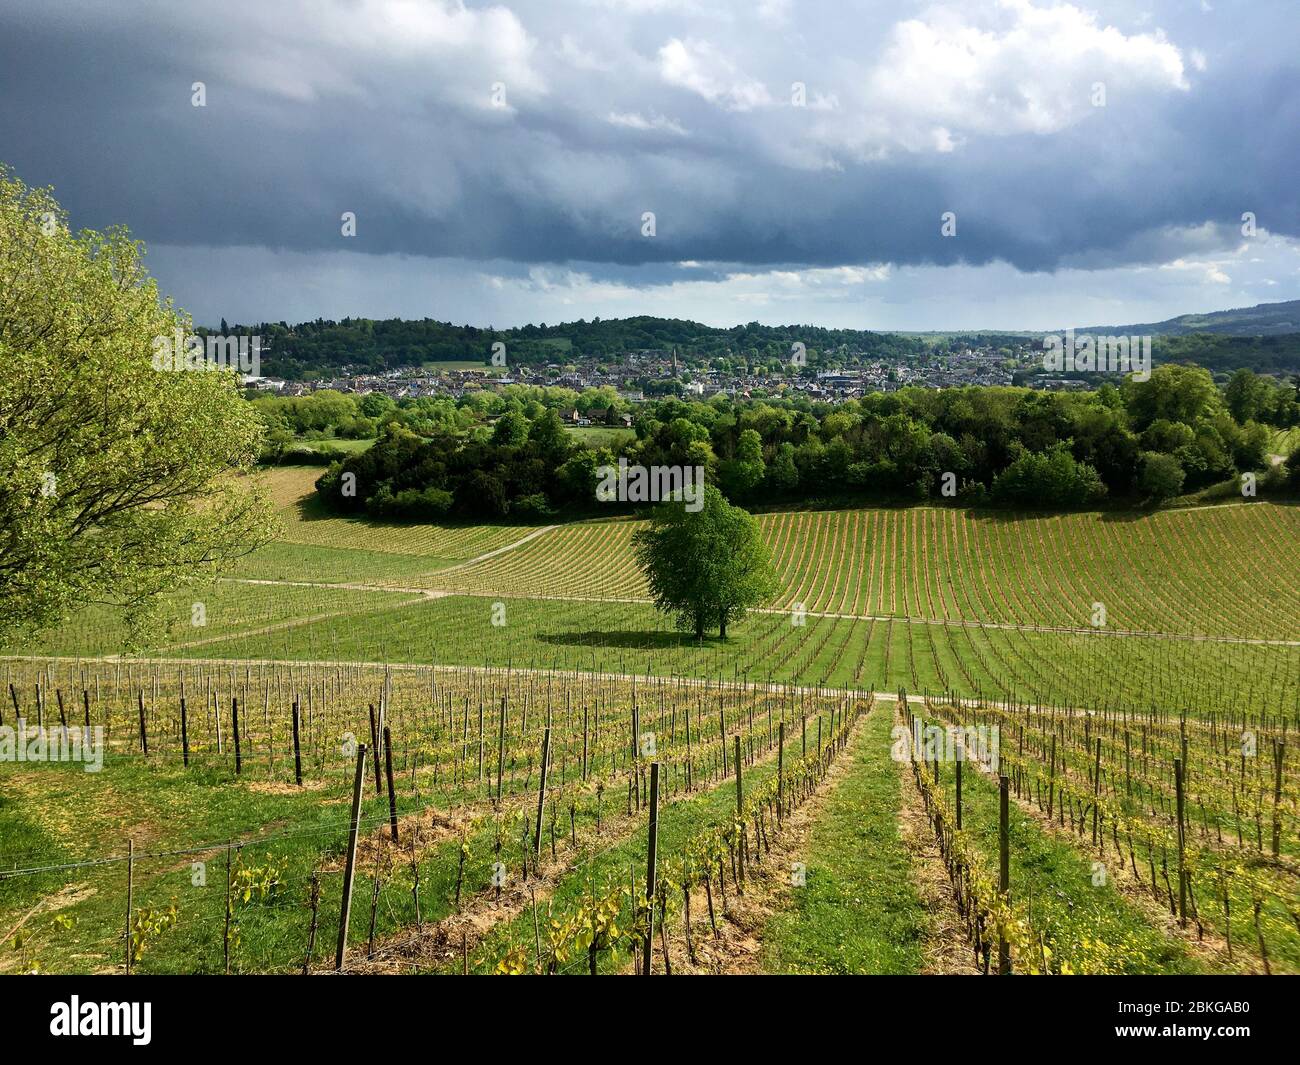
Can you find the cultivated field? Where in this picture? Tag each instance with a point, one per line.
(791, 835)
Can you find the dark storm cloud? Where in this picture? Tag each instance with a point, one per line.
(380, 108)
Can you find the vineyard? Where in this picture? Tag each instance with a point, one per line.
(1171, 572)
(479, 790)
(479, 749)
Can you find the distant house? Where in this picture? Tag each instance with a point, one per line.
(608, 416)
(570, 416)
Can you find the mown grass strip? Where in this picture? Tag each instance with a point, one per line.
(858, 912)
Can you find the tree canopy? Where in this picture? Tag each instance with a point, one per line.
(704, 567)
(506, 454)
(120, 480)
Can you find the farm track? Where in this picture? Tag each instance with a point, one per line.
(500, 550)
(281, 626)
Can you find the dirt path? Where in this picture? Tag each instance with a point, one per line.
(352, 586)
(500, 550)
(944, 946)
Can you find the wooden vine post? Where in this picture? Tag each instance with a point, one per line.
(1004, 867)
(780, 772)
(234, 723)
(144, 735)
(541, 794)
(651, 873)
(340, 955)
(130, 897)
(1182, 843)
(185, 734)
(392, 792)
(961, 757)
(1096, 790)
(1279, 756)
(740, 790)
(374, 744)
(1051, 779)
(501, 749)
(297, 749)
(585, 725)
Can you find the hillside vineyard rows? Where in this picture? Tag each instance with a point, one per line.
(526, 714)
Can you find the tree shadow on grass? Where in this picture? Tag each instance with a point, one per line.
(643, 640)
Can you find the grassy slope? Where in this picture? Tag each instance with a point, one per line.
(335, 565)
(1165, 571)
(306, 521)
(858, 912)
(58, 813)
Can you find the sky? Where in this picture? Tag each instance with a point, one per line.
(875, 164)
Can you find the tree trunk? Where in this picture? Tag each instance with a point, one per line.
(722, 624)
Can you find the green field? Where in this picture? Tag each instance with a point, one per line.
(601, 435)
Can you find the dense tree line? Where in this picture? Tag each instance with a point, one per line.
(321, 347)
(520, 468)
(1278, 354)
(1139, 442)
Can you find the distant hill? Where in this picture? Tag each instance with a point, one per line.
(1264, 319)
(322, 347)
(1265, 338)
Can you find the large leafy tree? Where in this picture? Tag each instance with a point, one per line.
(1052, 478)
(741, 474)
(118, 481)
(1179, 393)
(707, 566)
(1162, 476)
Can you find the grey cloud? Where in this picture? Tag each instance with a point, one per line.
(307, 120)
